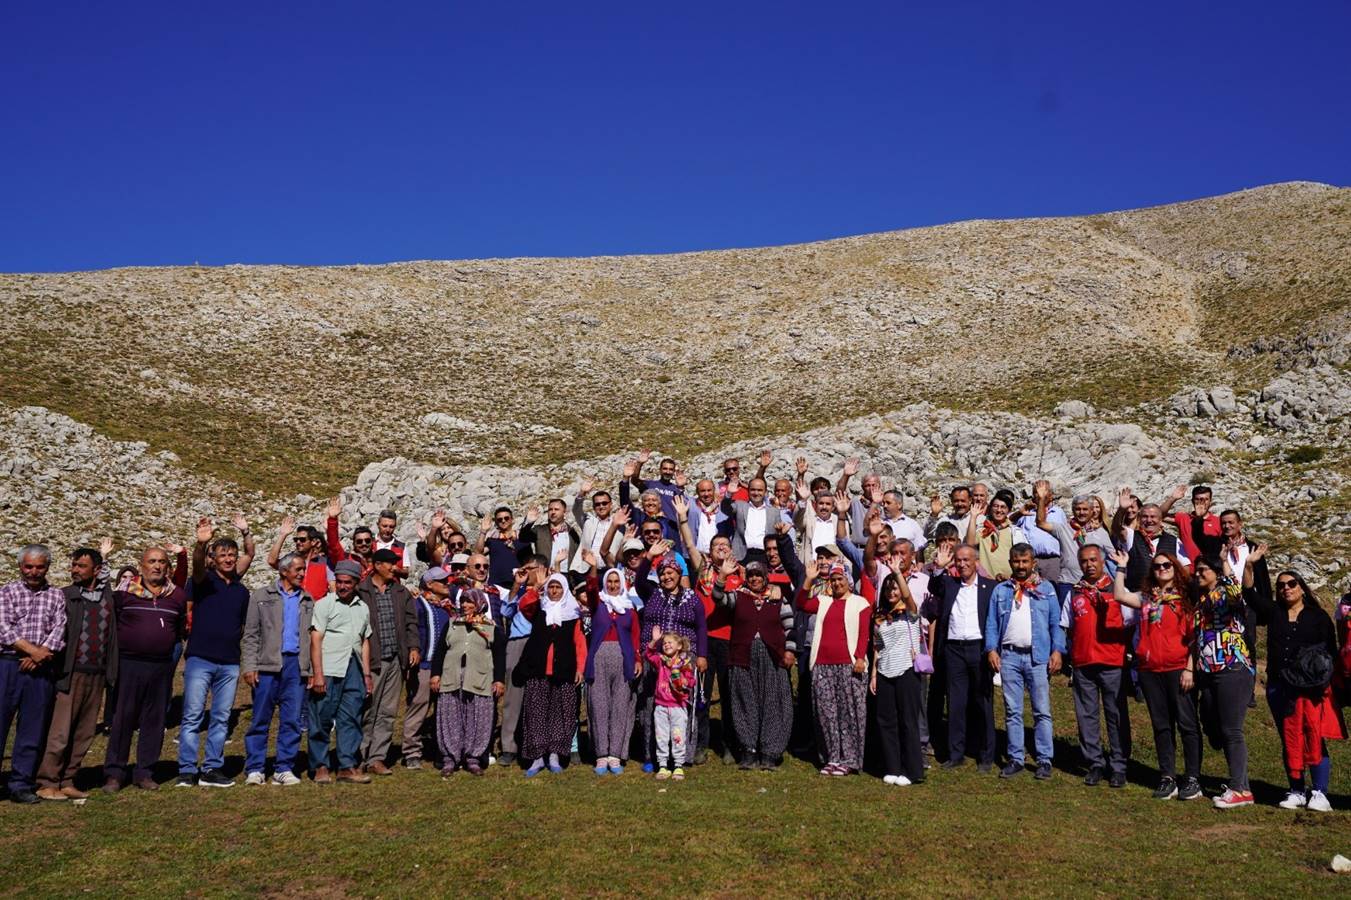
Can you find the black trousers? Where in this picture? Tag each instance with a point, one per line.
(899, 712)
(970, 695)
(718, 652)
(1169, 709)
(141, 686)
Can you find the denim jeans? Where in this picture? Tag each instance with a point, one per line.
(340, 706)
(276, 691)
(1017, 671)
(199, 676)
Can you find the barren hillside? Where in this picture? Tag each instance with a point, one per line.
(257, 383)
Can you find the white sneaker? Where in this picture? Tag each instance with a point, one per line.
(897, 780)
(1293, 800)
(1232, 798)
(1318, 802)
(256, 778)
(285, 778)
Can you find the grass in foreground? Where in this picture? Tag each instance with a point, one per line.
(721, 832)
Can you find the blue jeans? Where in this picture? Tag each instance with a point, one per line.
(200, 676)
(27, 697)
(276, 690)
(1017, 671)
(339, 705)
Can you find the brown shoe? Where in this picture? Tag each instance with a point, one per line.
(51, 793)
(112, 786)
(147, 784)
(353, 776)
(321, 776)
(379, 768)
(73, 793)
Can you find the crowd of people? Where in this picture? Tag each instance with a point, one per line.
(817, 618)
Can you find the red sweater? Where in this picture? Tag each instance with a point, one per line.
(529, 603)
(833, 649)
(1165, 636)
(1098, 635)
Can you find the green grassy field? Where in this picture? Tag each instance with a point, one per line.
(721, 832)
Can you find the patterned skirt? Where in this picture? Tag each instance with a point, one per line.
(840, 700)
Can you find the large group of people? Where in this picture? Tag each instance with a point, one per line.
(816, 619)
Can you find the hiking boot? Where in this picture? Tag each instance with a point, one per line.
(1166, 790)
(379, 768)
(147, 784)
(1118, 780)
(321, 776)
(74, 793)
(111, 786)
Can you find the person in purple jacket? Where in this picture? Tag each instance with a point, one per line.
(670, 607)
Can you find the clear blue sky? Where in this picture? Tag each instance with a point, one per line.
(315, 133)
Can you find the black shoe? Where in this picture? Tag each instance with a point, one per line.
(1166, 790)
(771, 765)
(506, 759)
(700, 757)
(1094, 777)
(213, 778)
(985, 768)
(1190, 790)
(1043, 772)
(1118, 780)
(1012, 770)
(186, 781)
(954, 764)
(749, 762)
(24, 796)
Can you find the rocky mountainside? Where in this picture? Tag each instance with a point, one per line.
(1198, 340)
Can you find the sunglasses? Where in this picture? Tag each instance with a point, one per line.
(651, 534)
(601, 503)
(478, 565)
(363, 542)
(502, 520)
(1285, 585)
(458, 545)
(1158, 566)
(730, 469)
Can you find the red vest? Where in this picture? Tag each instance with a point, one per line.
(1098, 636)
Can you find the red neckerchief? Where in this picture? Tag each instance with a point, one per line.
(1151, 542)
(1233, 552)
(1080, 532)
(710, 516)
(988, 529)
(1102, 588)
(1022, 587)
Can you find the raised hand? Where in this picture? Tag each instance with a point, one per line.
(438, 519)
(943, 557)
(589, 558)
(659, 549)
(1121, 558)
(644, 454)
(656, 633)
(681, 479)
(1177, 493)
(621, 516)
(205, 530)
(813, 571)
(1257, 553)
(630, 469)
(728, 567)
(874, 521)
(765, 458)
(682, 507)
(240, 523)
(334, 507)
(630, 532)
(935, 506)
(585, 487)
(421, 532)
(802, 492)
(485, 527)
(781, 527)
(288, 525)
(851, 466)
(1123, 496)
(801, 464)
(105, 547)
(174, 549)
(1041, 491)
(531, 514)
(980, 505)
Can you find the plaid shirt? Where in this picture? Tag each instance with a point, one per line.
(38, 617)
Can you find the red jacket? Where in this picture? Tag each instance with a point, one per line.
(1098, 634)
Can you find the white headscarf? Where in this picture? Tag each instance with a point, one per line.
(625, 600)
(556, 612)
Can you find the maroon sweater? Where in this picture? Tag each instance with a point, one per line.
(148, 627)
(771, 622)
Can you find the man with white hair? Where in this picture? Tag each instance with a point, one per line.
(1070, 535)
(32, 632)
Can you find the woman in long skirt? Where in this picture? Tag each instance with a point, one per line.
(462, 678)
(613, 666)
(839, 664)
(761, 654)
(550, 669)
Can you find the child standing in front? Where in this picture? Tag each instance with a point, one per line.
(670, 714)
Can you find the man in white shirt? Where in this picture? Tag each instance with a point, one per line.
(819, 526)
(960, 496)
(595, 525)
(385, 540)
(902, 526)
(706, 515)
(962, 604)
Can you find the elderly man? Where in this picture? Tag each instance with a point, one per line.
(32, 631)
(1147, 540)
(309, 546)
(1070, 536)
(394, 649)
(1044, 543)
(1025, 646)
(151, 614)
(962, 604)
(86, 668)
(340, 655)
(220, 604)
(385, 524)
(433, 604)
(275, 660)
(960, 517)
(1099, 631)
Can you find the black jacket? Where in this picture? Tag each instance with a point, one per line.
(75, 612)
(944, 589)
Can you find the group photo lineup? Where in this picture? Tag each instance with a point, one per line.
(872, 450)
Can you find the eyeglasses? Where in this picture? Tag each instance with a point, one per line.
(502, 520)
(478, 565)
(1160, 566)
(1286, 585)
(363, 542)
(730, 469)
(652, 534)
(458, 545)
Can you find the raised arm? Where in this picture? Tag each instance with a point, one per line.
(762, 463)
(1123, 596)
(205, 532)
(850, 470)
(682, 511)
(246, 553)
(287, 528)
(1043, 497)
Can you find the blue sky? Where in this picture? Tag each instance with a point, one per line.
(151, 133)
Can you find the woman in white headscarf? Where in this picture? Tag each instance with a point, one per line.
(614, 665)
(550, 669)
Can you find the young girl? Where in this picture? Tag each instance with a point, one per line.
(551, 669)
(898, 637)
(462, 676)
(670, 716)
